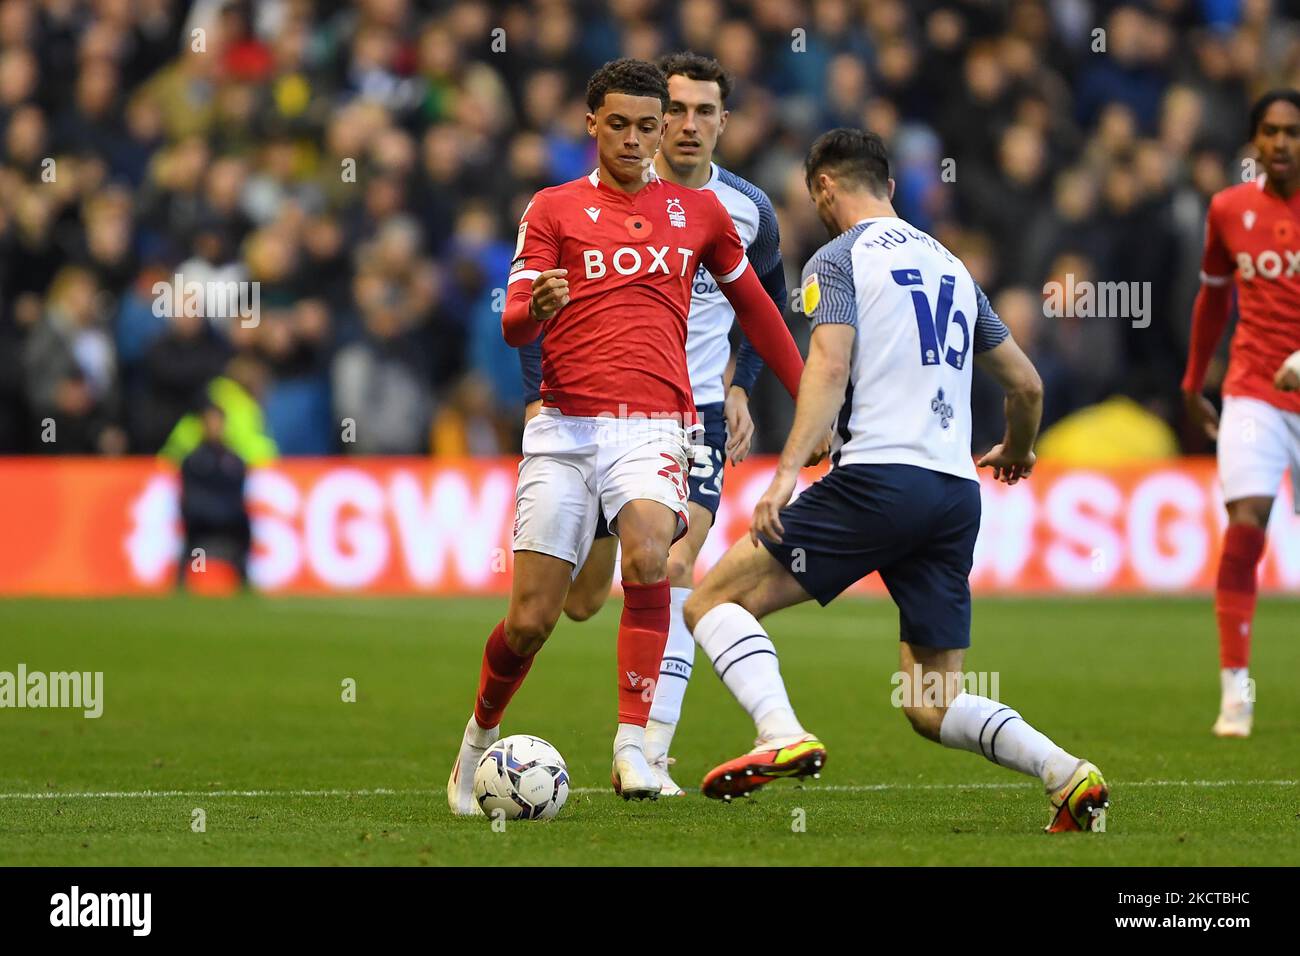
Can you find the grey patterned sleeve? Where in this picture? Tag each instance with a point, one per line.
(830, 274)
(990, 330)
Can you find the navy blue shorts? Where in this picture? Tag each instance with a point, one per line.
(915, 526)
(705, 480)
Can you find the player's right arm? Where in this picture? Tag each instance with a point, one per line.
(821, 395)
(997, 353)
(537, 288)
(1287, 377)
(1209, 319)
(830, 304)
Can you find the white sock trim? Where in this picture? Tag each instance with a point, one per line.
(999, 734)
(629, 735)
(745, 659)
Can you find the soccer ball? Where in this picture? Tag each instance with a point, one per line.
(522, 776)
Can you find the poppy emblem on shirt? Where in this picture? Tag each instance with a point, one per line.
(1284, 231)
(638, 227)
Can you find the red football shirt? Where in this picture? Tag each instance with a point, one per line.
(619, 345)
(1252, 236)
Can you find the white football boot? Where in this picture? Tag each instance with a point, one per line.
(667, 786)
(658, 738)
(460, 785)
(1236, 704)
(632, 776)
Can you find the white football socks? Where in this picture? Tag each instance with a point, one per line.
(629, 735)
(477, 736)
(745, 658)
(1232, 688)
(1001, 735)
(674, 674)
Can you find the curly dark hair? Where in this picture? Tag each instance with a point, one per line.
(696, 66)
(626, 75)
(1268, 99)
(855, 155)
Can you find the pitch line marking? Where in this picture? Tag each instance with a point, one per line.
(385, 792)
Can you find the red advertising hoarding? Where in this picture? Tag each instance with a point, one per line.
(395, 526)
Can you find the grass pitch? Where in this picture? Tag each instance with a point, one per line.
(234, 707)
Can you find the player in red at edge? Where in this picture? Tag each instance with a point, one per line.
(607, 261)
(1252, 240)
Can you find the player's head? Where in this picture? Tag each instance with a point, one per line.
(626, 100)
(213, 419)
(844, 168)
(698, 88)
(1275, 131)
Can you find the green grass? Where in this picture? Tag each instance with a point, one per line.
(245, 694)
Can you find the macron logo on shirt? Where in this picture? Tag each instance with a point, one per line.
(593, 212)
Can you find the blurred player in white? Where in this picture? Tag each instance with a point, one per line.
(697, 89)
(896, 321)
(1252, 240)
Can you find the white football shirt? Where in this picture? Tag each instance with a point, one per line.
(920, 320)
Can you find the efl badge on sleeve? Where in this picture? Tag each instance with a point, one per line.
(812, 294)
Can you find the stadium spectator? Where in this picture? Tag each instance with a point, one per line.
(470, 423)
(71, 371)
(178, 366)
(367, 163)
(238, 394)
(213, 512)
(381, 381)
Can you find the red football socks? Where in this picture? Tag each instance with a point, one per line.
(1234, 595)
(642, 635)
(502, 672)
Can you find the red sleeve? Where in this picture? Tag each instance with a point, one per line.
(763, 324)
(1216, 262)
(1210, 311)
(536, 250)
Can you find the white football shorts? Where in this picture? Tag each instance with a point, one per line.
(1257, 443)
(574, 468)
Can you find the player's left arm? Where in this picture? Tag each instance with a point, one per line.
(761, 320)
(997, 354)
(765, 255)
(530, 367)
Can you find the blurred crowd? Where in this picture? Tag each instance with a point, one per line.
(366, 164)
